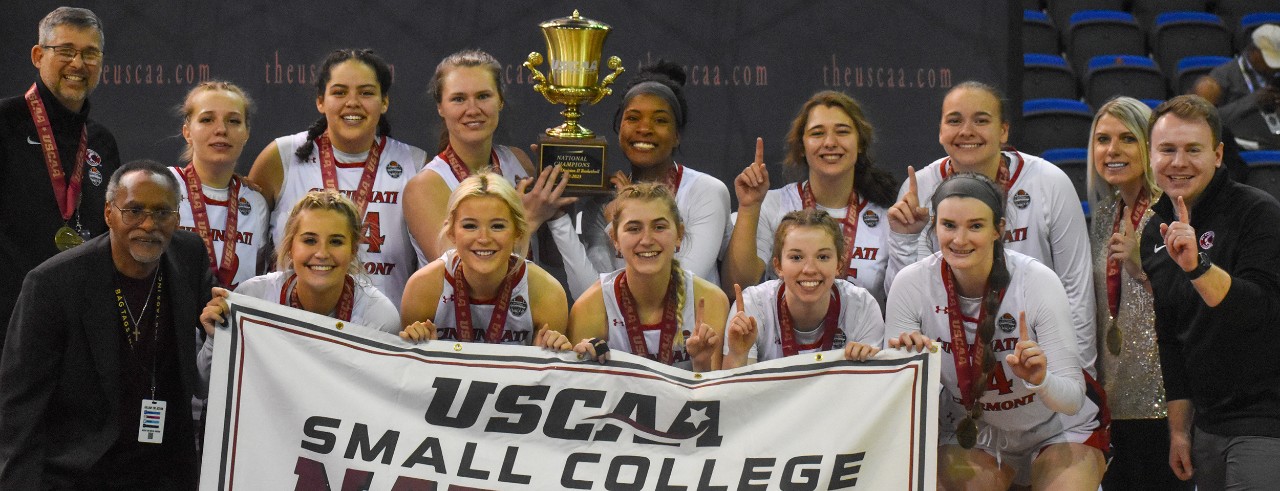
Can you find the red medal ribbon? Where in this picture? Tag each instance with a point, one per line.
(66, 194)
(226, 271)
(1004, 177)
(329, 169)
(462, 302)
(460, 169)
(1113, 267)
(849, 224)
(635, 330)
(674, 176)
(830, 323)
(346, 301)
(968, 362)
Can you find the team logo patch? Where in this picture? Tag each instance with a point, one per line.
(394, 170)
(1206, 240)
(95, 176)
(1021, 199)
(870, 218)
(518, 306)
(838, 340)
(1006, 323)
(92, 158)
(244, 206)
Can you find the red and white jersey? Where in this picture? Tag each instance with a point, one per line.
(251, 224)
(918, 302)
(860, 320)
(1043, 219)
(620, 340)
(519, 326)
(385, 249)
(511, 169)
(867, 262)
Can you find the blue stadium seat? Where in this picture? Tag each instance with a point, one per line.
(1038, 33)
(1052, 123)
(1061, 10)
(1112, 75)
(1191, 69)
(1232, 11)
(1264, 170)
(1177, 35)
(1147, 10)
(1073, 161)
(1047, 76)
(1249, 22)
(1102, 32)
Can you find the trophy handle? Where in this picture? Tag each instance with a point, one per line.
(615, 64)
(535, 59)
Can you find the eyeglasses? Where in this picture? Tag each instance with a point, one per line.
(91, 56)
(135, 216)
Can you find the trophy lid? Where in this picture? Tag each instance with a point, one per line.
(574, 21)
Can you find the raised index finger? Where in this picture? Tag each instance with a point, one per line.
(1126, 223)
(1184, 215)
(1022, 326)
(759, 150)
(911, 184)
(737, 293)
(697, 312)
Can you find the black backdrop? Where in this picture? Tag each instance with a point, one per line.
(751, 64)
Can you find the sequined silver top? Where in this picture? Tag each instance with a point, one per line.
(1132, 378)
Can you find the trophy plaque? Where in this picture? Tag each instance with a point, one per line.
(573, 49)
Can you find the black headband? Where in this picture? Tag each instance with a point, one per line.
(971, 185)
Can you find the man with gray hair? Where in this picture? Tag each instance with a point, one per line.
(54, 160)
(98, 373)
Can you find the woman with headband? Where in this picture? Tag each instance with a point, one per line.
(1014, 408)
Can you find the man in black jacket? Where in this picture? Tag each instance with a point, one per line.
(54, 161)
(98, 373)
(1213, 259)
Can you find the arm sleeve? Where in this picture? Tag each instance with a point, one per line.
(1050, 322)
(1072, 261)
(31, 361)
(1233, 111)
(766, 227)
(578, 269)
(704, 229)
(906, 302)
(865, 325)
(903, 250)
(381, 314)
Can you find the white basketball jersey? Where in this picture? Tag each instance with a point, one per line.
(251, 223)
(511, 170)
(620, 340)
(860, 320)
(519, 326)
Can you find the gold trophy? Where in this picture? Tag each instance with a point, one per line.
(573, 48)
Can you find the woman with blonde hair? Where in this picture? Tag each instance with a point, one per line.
(651, 307)
(482, 283)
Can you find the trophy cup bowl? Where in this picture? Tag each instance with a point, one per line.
(573, 80)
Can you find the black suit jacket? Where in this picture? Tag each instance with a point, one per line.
(60, 372)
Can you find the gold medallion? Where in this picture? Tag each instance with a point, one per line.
(967, 432)
(1114, 339)
(66, 238)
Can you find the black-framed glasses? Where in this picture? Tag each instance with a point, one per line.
(135, 216)
(91, 56)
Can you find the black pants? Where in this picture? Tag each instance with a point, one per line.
(1140, 457)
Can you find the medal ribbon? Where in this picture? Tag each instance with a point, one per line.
(849, 224)
(968, 362)
(460, 169)
(631, 317)
(830, 323)
(346, 301)
(674, 176)
(1003, 176)
(1113, 267)
(226, 271)
(329, 169)
(66, 194)
(462, 302)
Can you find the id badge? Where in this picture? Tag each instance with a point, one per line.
(151, 423)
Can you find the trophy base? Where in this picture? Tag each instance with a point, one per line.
(582, 158)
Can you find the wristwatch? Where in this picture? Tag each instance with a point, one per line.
(1201, 268)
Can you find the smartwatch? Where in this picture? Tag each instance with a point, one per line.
(1201, 268)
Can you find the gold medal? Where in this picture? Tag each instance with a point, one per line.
(1114, 340)
(967, 432)
(66, 238)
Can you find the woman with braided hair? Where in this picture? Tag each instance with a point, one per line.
(1014, 408)
(651, 307)
(349, 149)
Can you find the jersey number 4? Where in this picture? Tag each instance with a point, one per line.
(372, 232)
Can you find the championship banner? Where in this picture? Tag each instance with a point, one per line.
(302, 401)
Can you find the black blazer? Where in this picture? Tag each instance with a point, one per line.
(60, 371)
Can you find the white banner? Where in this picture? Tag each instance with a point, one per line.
(300, 401)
